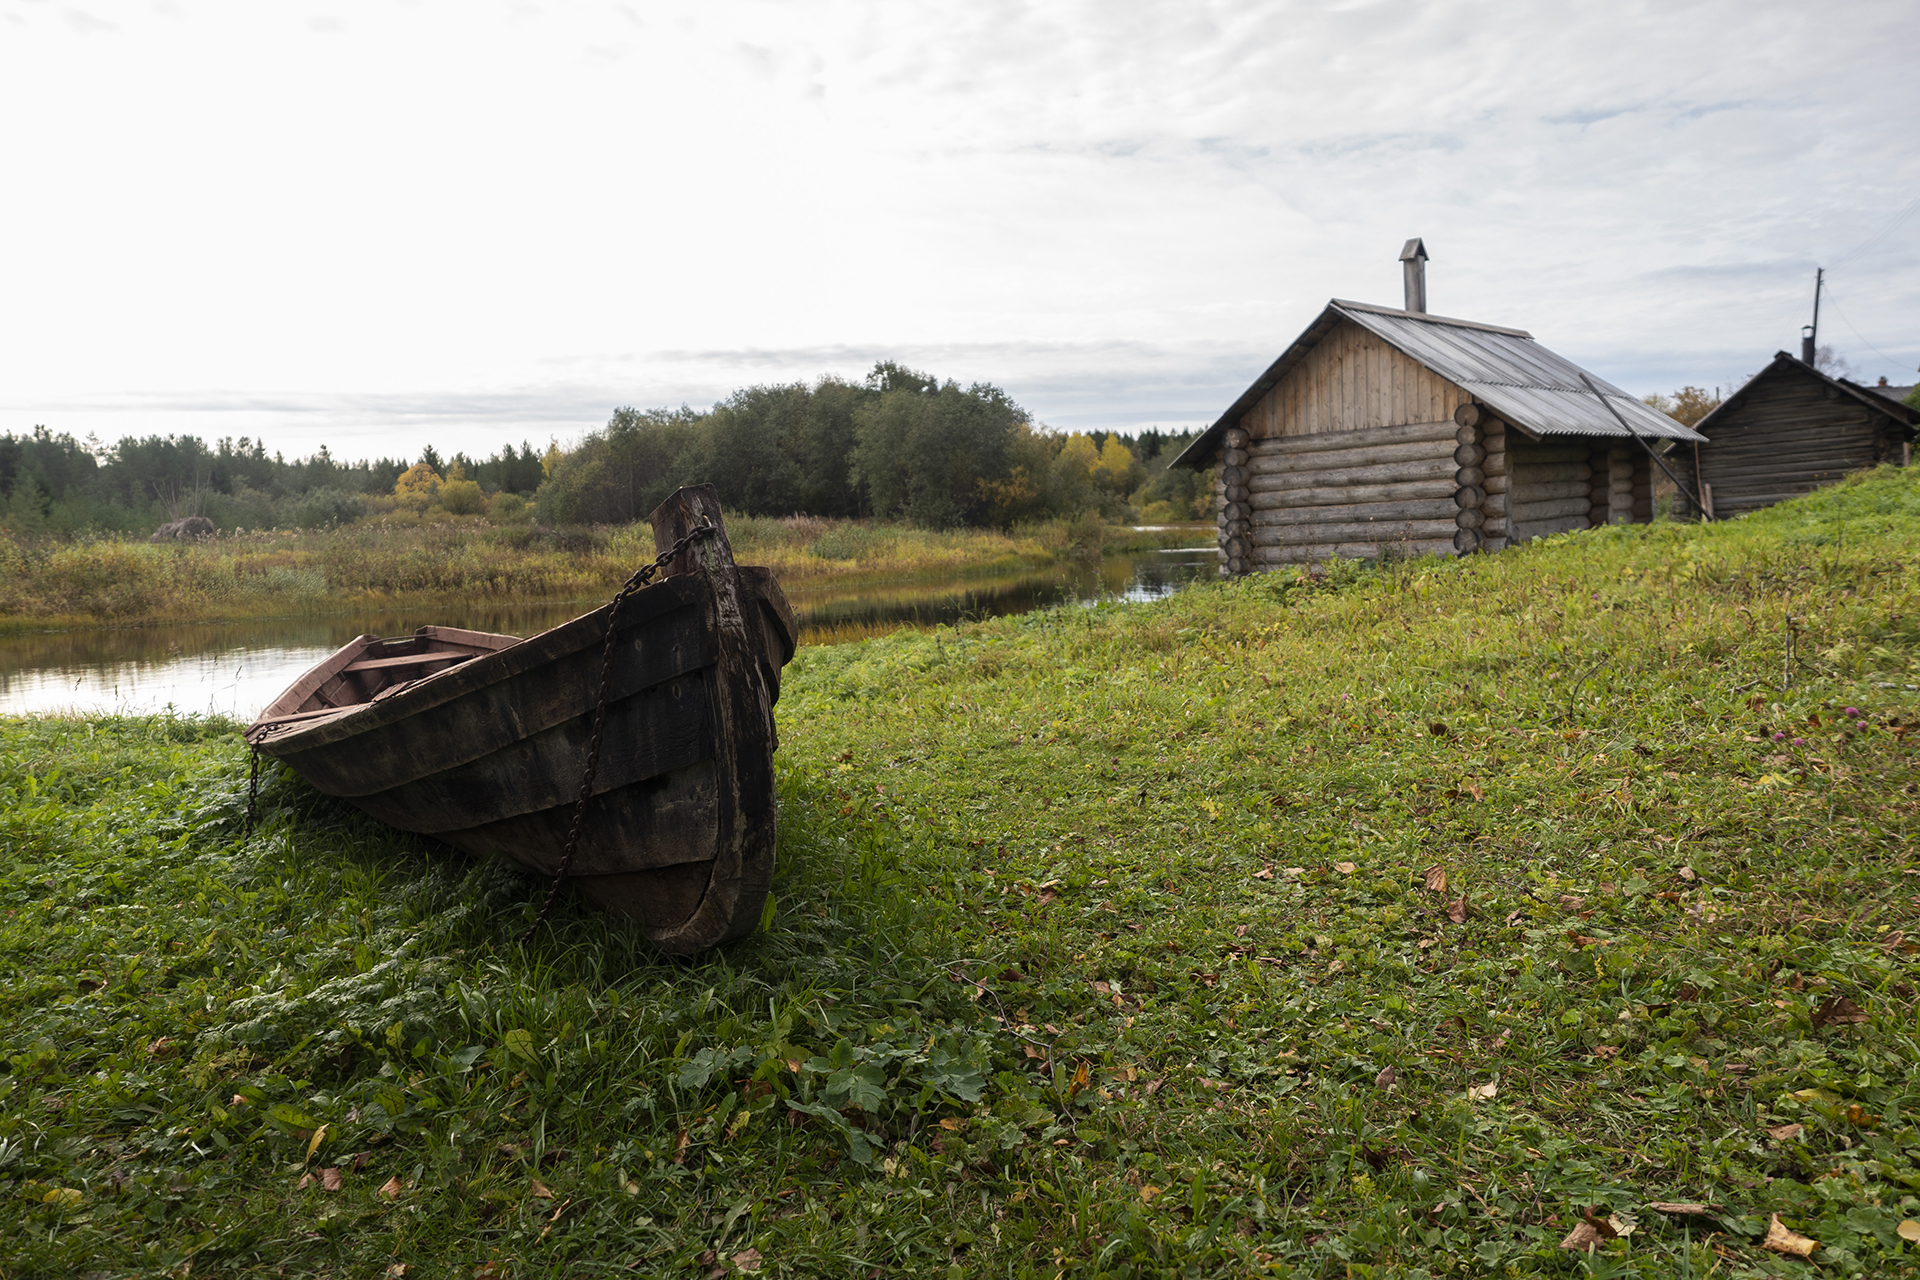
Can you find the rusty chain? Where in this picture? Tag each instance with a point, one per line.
(641, 578)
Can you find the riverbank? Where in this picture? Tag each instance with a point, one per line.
(1411, 920)
(376, 568)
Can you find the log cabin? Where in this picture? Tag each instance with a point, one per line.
(1396, 430)
(1788, 431)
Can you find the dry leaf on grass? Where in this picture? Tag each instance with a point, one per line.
(1148, 1192)
(680, 1148)
(746, 1260)
(1908, 1230)
(306, 1180)
(1837, 1011)
(1457, 910)
(1436, 878)
(1687, 873)
(330, 1179)
(313, 1143)
(1687, 1209)
(1346, 868)
(398, 1271)
(1483, 1092)
(1265, 873)
(391, 1188)
(541, 1191)
(1781, 1240)
(1385, 1079)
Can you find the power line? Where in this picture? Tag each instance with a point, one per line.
(1835, 304)
(1879, 235)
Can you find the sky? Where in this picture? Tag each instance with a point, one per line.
(376, 226)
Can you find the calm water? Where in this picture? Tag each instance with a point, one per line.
(236, 669)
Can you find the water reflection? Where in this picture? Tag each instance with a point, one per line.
(235, 669)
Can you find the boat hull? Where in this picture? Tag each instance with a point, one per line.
(487, 753)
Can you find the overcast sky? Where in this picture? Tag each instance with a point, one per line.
(381, 225)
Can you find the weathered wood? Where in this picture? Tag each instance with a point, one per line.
(1581, 489)
(1383, 532)
(1547, 528)
(1278, 498)
(1357, 512)
(1321, 442)
(1440, 468)
(1468, 415)
(1315, 553)
(1264, 463)
(1531, 512)
(1552, 473)
(487, 754)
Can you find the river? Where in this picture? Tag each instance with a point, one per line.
(235, 669)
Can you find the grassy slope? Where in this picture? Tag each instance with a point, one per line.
(1183, 848)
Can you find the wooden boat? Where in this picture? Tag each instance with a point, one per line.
(480, 740)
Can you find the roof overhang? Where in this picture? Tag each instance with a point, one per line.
(1523, 383)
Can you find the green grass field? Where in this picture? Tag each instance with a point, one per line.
(1393, 923)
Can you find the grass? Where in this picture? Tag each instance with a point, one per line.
(379, 566)
(1109, 941)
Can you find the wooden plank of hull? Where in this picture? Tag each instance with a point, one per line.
(458, 733)
(661, 821)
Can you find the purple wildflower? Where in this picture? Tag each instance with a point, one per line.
(1779, 737)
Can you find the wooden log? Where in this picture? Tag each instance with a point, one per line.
(1304, 554)
(1273, 499)
(1468, 455)
(1496, 485)
(1494, 527)
(1357, 513)
(1368, 437)
(1441, 468)
(1469, 519)
(1265, 462)
(1546, 455)
(1533, 512)
(1523, 492)
(1466, 542)
(1471, 496)
(1468, 415)
(1234, 457)
(1552, 473)
(1236, 437)
(1382, 532)
(1466, 476)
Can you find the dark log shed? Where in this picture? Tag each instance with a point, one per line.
(1788, 431)
(1380, 428)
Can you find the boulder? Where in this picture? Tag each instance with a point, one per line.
(191, 529)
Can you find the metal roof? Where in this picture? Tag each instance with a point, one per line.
(1525, 384)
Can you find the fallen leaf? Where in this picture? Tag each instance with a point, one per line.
(160, 1048)
(1481, 1092)
(398, 1271)
(1457, 910)
(306, 1180)
(1155, 1086)
(239, 1100)
(1585, 1237)
(951, 1125)
(541, 1191)
(1346, 868)
(330, 1179)
(1477, 791)
(63, 1197)
(1857, 1115)
(1687, 873)
(313, 1143)
(1148, 1192)
(1385, 1079)
(360, 1161)
(1684, 1210)
(1837, 1011)
(1621, 1226)
(680, 1148)
(1781, 1240)
(1437, 729)
(1908, 1230)
(747, 1260)
(1436, 879)
(1265, 873)
(391, 1188)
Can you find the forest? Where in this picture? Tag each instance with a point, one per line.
(899, 445)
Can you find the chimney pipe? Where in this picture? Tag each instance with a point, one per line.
(1413, 262)
(1806, 343)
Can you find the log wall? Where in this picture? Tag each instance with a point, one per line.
(1790, 433)
(1352, 494)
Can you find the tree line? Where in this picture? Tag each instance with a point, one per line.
(898, 445)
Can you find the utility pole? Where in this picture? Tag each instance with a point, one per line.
(1810, 334)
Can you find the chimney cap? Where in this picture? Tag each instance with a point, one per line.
(1416, 250)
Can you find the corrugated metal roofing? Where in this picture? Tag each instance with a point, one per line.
(1523, 382)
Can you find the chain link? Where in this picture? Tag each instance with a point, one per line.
(641, 578)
